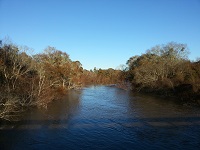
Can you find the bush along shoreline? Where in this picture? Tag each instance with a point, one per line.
(165, 70)
(34, 81)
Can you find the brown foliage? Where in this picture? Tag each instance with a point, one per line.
(165, 68)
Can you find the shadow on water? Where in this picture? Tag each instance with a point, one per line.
(102, 117)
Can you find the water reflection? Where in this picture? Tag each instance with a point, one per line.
(102, 117)
(152, 106)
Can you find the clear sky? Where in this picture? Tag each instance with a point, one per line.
(101, 33)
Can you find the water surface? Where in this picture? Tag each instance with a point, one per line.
(102, 117)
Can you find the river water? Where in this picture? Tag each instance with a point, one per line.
(102, 117)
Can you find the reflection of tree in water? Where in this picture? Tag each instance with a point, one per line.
(153, 106)
(58, 113)
(63, 109)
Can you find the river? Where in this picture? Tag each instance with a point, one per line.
(103, 117)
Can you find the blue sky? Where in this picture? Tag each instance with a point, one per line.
(101, 33)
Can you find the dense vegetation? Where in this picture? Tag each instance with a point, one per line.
(165, 69)
(34, 81)
(37, 80)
